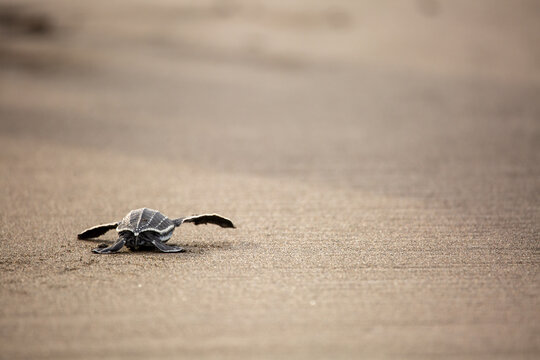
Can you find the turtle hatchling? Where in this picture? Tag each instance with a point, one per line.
(146, 229)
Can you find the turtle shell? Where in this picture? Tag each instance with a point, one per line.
(140, 220)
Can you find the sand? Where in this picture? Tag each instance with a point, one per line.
(380, 161)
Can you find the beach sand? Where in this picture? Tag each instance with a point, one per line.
(379, 159)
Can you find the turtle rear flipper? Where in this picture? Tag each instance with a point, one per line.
(111, 249)
(166, 248)
(206, 219)
(96, 231)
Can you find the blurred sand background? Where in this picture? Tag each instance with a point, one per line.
(380, 159)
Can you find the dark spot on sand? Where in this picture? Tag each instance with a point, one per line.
(19, 20)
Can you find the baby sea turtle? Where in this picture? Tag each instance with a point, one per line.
(146, 228)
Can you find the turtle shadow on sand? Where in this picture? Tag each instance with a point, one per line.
(195, 248)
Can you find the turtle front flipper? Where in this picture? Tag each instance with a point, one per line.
(166, 248)
(111, 249)
(205, 219)
(96, 231)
